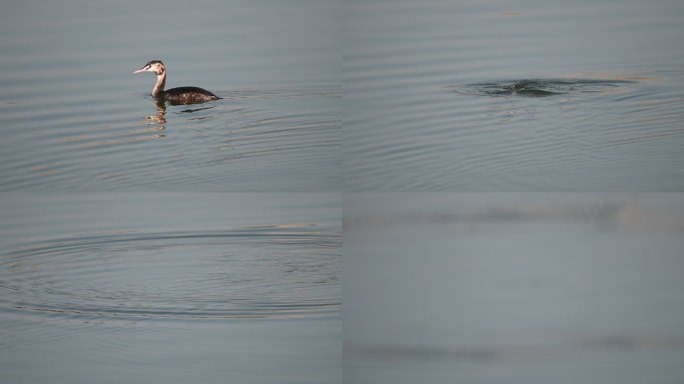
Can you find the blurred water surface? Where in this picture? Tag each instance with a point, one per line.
(73, 117)
(513, 288)
(176, 288)
(430, 102)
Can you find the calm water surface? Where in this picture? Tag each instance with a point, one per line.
(176, 288)
(74, 118)
(429, 102)
(506, 288)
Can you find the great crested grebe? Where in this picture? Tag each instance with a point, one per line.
(180, 95)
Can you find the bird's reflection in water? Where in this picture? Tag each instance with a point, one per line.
(160, 116)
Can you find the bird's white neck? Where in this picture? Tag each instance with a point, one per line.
(159, 86)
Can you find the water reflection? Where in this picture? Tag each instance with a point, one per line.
(160, 116)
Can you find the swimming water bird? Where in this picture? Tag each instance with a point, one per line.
(180, 95)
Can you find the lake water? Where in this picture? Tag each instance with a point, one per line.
(173, 288)
(143, 242)
(513, 288)
(73, 117)
(115, 264)
(428, 104)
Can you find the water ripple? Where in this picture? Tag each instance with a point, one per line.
(253, 139)
(256, 272)
(544, 87)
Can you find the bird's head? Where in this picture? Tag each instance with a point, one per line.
(155, 66)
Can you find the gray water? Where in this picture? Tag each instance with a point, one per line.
(73, 117)
(173, 288)
(144, 243)
(417, 118)
(513, 288)
(115, 266)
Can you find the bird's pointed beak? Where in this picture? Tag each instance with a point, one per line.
(143, 69)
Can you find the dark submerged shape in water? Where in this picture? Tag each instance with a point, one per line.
(540, 87)
(180, 95)
(533, 88)
(530, 88)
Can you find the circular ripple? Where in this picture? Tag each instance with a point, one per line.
(254, 272)
(544, 87)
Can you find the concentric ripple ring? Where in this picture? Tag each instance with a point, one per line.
(243, 273)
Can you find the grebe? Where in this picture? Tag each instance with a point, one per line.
(180, 95)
